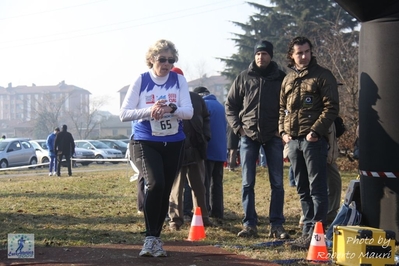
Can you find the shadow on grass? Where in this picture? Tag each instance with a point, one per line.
(68, 196)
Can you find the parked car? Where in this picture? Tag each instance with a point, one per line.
(16, 152)
(115, 144)
(100, 149)
(43, 157)
(41, 150)
(127, 141)
(81, 153)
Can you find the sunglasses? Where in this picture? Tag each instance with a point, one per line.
(163, 60)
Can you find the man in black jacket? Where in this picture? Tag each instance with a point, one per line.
(252, 110)
(64, 146)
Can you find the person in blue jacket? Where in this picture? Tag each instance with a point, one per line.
(216, 154)
(50, 142)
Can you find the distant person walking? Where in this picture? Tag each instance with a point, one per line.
(50, 142)
(64, 147)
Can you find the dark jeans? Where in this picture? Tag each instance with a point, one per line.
(214, 188)
(291, 177)
(249, 152)
(68, 162)
(309, 163)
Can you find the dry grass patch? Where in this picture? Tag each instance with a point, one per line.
(97, 205)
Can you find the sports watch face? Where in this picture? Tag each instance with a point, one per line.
(173, 106)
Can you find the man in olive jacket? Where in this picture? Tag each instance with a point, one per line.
(309, 104)
(252, 109)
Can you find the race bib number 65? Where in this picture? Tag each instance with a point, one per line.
(167, 125)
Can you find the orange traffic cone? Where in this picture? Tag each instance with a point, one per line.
(318, 249)
(197, 230)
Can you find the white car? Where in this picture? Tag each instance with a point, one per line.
(43, 156)
(100, 150)
(16, 152)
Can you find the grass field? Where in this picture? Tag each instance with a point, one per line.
(97, 205)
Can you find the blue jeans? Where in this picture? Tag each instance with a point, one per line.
(249, 152)
(291, 177)
(262, 157)
(309, 162)
(53, 163)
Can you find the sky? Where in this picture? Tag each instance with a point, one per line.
(100, 45)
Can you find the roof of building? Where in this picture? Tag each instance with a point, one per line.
(23, 89)
(212, 80)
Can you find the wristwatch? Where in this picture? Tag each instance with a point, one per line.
(314, 134)
(173, 106)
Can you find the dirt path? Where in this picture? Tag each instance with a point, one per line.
(179, 253)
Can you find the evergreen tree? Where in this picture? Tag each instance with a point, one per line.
(282, 21)
(330, 28)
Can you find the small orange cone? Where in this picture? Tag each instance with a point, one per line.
(318, 248)
(197, 230)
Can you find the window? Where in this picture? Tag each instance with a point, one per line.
(26, 145)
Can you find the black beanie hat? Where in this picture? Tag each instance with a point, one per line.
(264, 46)
(201, 91)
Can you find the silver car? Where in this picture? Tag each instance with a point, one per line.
(115, 144)
(101, 150)
(43, 156)
(16, 152)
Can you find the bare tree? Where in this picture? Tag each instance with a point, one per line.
(339, 53)
(83, 123)
(46, 114)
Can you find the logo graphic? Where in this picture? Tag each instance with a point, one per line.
(21, 246)
(172, 97)
(161, 97)
(308, 101)
(149, 99)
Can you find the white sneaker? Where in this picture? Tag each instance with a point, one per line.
(148, 247)
(158, 248)
(50, 174)
(54, 173)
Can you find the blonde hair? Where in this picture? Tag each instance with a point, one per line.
(158, 47)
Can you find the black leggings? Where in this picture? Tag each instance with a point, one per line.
(159, 163)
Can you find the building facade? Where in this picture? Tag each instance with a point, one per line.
(21, 105)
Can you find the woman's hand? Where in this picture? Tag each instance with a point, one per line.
(158, 109)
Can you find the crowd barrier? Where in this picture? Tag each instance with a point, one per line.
(33, 166)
